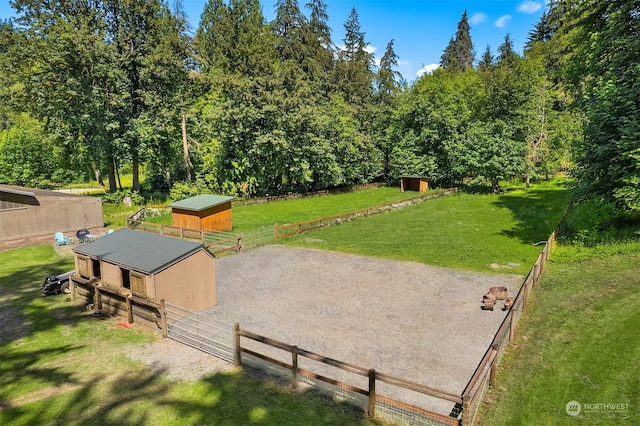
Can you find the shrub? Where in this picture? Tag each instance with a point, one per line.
(117, 197)
(181, 190)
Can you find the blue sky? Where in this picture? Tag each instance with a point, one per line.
(421, 29)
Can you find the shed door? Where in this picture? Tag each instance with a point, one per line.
(137, 284)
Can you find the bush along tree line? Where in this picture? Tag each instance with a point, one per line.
(249, 107)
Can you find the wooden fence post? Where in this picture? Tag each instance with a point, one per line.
(163, 319)
(494, 370)
(512, 325)
(372, 393)
(129, 309)
(294, 367)
(536, 272)
(525, 300)
(98, 302)
(466, 411)
(237, 360)
(276, 231)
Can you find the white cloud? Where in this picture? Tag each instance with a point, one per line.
(502, 21)
(427, 69)
(529, 6)
(478, 18)
(370, 49)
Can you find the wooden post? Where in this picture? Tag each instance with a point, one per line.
(527, 291)
(494, 370)
(74, 289)
(276, 231)
(181, 233)
(129, 309)
(536, 272)
(163, 319)
(98, 302)
(512, 325)
(294, 367)
(466, 411)
(239, 242)
(372, 393)
(237, 359)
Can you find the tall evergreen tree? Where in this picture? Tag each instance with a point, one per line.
(506, 54)
(355, 62)
(486, 62)
(459, 56)
(290, 28)
(321, 47)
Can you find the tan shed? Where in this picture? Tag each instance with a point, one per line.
(414, 183)
(28, 213)
(150, 266)
(206, 212)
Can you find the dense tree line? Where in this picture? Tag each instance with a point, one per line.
(251, 107)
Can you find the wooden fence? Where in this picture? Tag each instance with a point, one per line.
(216, 242)
(282, 231)
(372, 377)
(485, 374)
(112, 301)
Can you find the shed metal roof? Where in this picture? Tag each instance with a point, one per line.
(138, 250)
(201, 202)
(37, 192)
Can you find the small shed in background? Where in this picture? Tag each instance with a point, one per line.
(203, 212)
(149, 266)
(414, 183)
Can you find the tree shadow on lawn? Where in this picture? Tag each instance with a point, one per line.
(242, 399)
(24, 309)
(537, 213)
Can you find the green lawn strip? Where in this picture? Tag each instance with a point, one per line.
(578, 342)
(137, 396)
(469, 232)
(249, 217)
(253, 216)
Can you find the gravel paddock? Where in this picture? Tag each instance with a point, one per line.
(407, 319)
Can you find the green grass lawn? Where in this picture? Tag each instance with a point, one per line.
(246, 218)
(253, 216)
(466, 231)
(59, 364)
(579, 341)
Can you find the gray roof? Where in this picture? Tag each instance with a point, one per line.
(35, 192)
(139, 250)
(201, 202)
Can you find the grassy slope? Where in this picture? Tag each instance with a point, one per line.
(465, 231)
(578, 342)
(61, 365)
(250, 217)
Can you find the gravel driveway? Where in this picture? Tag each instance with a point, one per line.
(410, 320)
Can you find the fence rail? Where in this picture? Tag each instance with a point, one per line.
(217, 242)
(485, 374)
(371, 391)
(287, 230)
(200, 331)
(110, 300)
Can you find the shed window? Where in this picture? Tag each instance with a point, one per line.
(137, 285)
